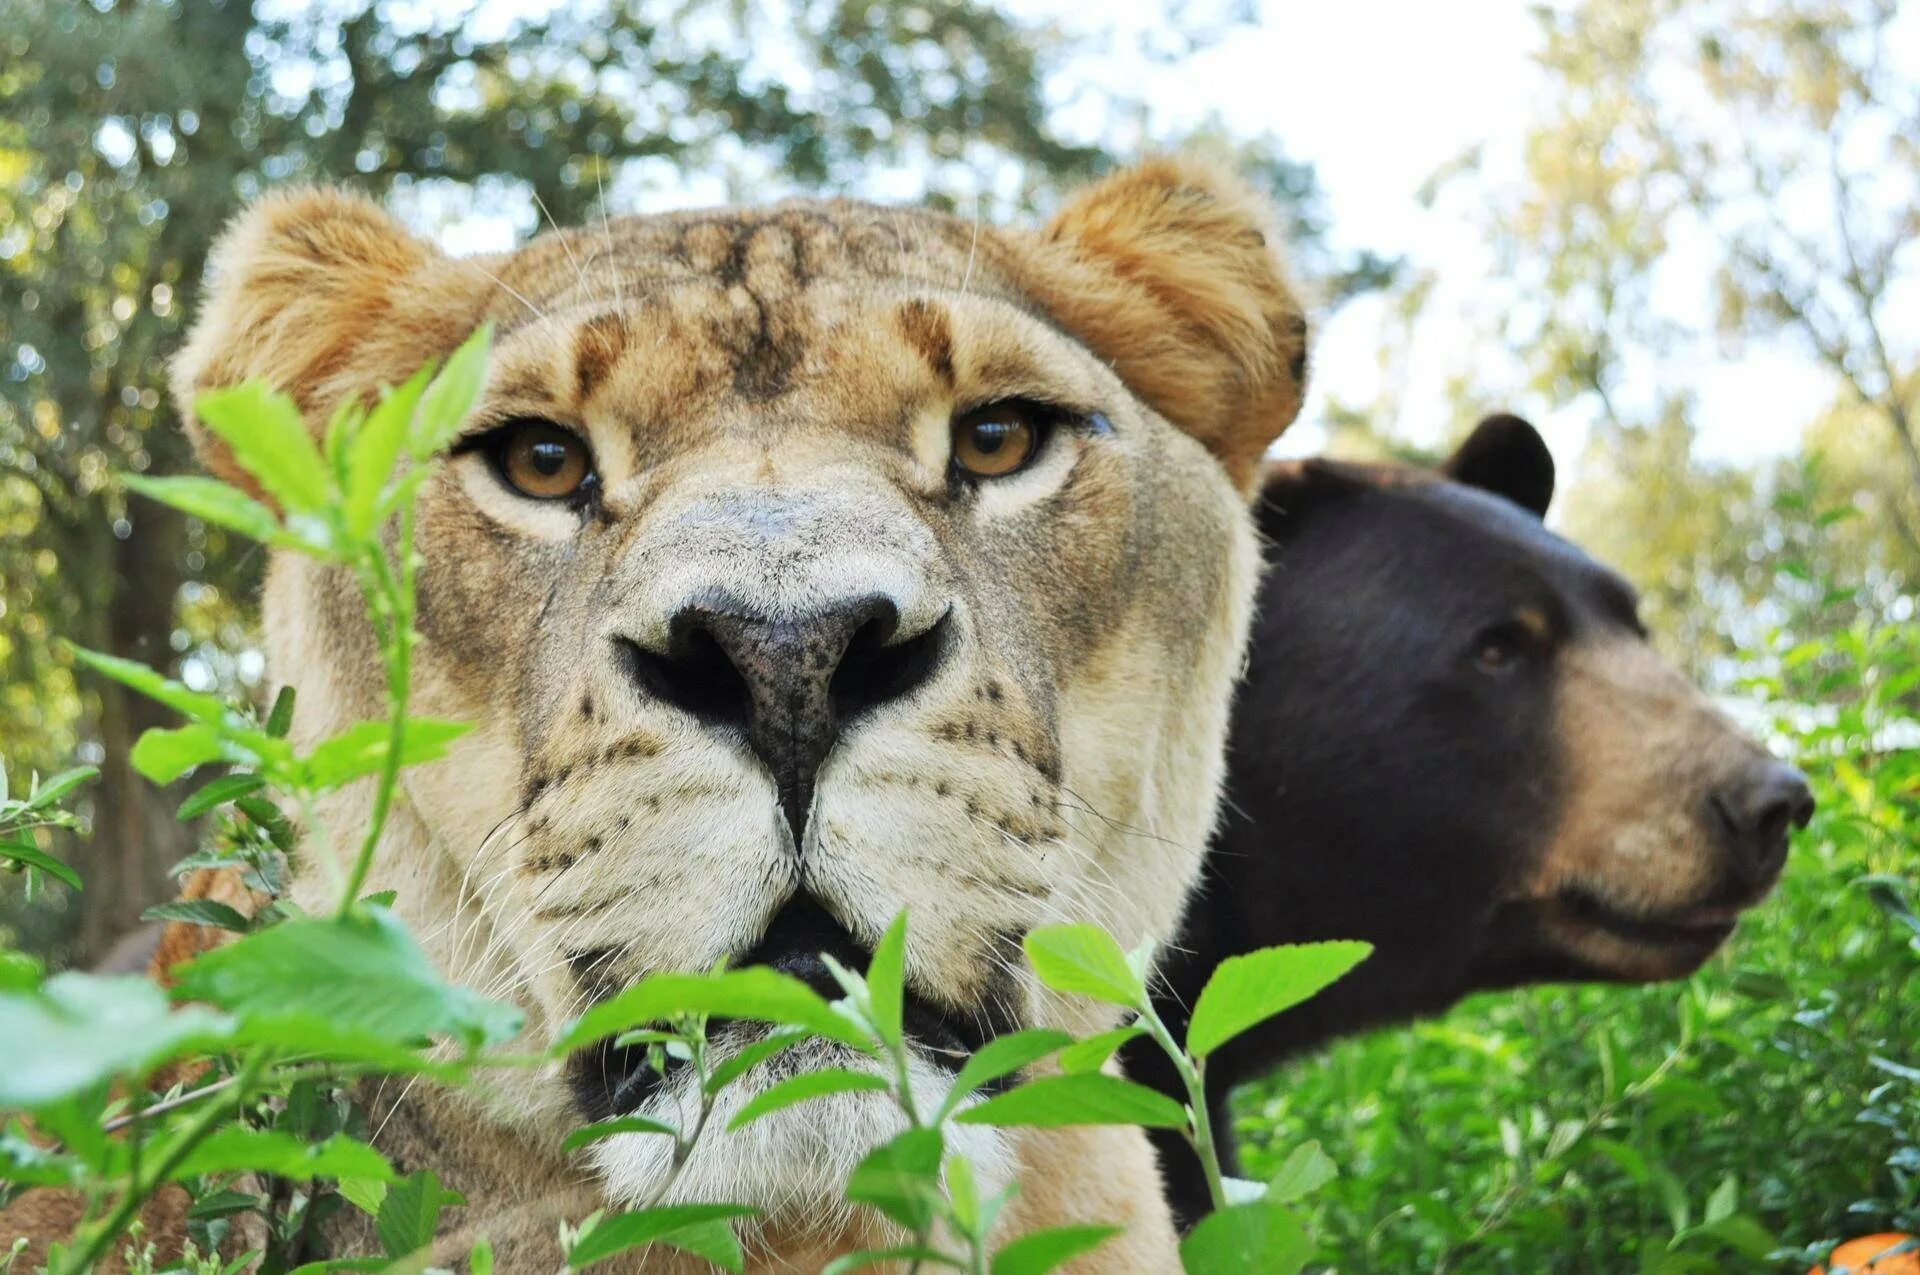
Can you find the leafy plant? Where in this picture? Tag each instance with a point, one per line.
(21, 818)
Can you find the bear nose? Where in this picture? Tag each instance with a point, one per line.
(790, 682)
(1758, 808)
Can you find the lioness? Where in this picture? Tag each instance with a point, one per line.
(799, 566)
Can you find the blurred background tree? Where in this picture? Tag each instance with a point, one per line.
(131, 130)
(1759, 160)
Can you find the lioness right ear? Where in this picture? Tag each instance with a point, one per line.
(322, 295)
(1171, 271)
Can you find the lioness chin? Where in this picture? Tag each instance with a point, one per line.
(799, 566)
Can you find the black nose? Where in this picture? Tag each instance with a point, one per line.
(791, 683)
(1758, 808)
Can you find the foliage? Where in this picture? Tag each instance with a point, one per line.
(243, 1090)
(1748, 1119)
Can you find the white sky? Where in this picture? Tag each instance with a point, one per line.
(1378, 95)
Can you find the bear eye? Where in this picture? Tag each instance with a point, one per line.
(1500, 649)
(998, 439)
(542, 461)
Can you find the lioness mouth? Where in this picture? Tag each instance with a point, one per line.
(1705, 926)
(610, 1081)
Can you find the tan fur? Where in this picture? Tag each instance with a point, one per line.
(767, 395)
(1644, 746)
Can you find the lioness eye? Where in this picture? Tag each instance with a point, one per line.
(543, 461)
(996, 440)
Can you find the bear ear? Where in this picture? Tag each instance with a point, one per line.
(1171, 271)
(1506, 456)
(322, 295)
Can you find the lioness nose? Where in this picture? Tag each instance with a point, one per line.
(1759, 806)
(790, 682)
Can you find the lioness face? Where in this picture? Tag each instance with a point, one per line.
(799, 567)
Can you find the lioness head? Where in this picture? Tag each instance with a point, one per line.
(799, 566)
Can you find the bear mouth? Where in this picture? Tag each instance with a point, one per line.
(609, 1080)
(1702, 927)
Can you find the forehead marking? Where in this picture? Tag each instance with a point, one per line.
(926, 329)
(597, 347)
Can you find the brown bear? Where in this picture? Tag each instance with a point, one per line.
(1456, 742)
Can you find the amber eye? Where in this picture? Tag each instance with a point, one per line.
(996, 440)
(543, 461)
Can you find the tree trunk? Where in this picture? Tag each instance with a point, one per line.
(136, 837)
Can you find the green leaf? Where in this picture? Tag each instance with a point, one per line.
(607, 1128)
(480, 1257)
(1724, 1200)
(1247, 990)
(755, 993)
(365, 1194)
(219, 792)
(1084, 959)
(1305, 1170)
(1743, 1235)
(625, 1231)
(361, 973)
(374, 450)
(77, 1031)
(132, 673)
(21, 850)
(963, 1193)
(199, 912)
(19, 971)
(1041, 1251)
(47, 792)
(163, 754)
(750, 1057)
(235, 1148)
(280, 718)
(886, 980)
(269, 440)
(901, 1178)
(712, 1241)
(410, 1214)
(905, 1253)
(450, 398)
(803, 1087)
(211, 501)
(224, 1203)
(1246, 1237)
(361, 749)
(1092, 1053)
(1095, 1098)
(1000, 1057)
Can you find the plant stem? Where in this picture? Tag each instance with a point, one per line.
(1193, 1074)
(138, 1192)
(398, 595)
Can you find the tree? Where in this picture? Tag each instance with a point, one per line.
(1706, 177)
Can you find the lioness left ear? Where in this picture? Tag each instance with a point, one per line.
(323, 296)
(1171, 271)
(1507, 457)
